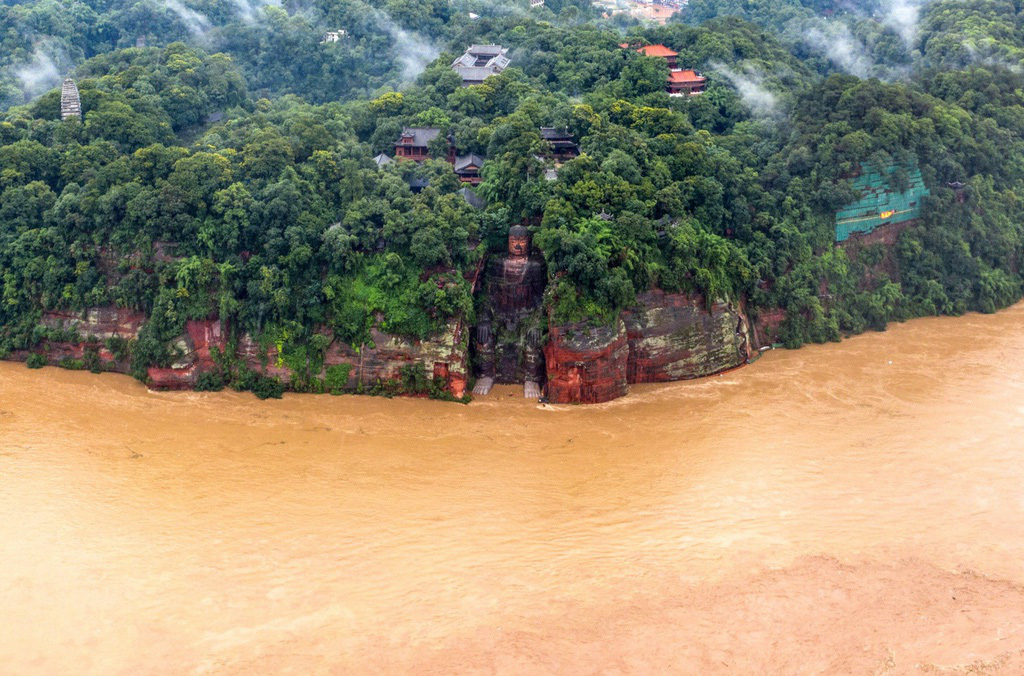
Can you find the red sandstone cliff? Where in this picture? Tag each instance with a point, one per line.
(666, 337)
(767, 326)
(87, 332)
(586, 364)
(442, 355)
(195, 357)
(888, 236)
(674, 336)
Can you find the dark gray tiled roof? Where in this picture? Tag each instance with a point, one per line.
(421, 136)
(550, 133)
(480, 62)
(490, 50)
(472, 198)
(417, 184)
(467, 160)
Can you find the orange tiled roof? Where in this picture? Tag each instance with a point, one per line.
(657, 50)
(685, 76)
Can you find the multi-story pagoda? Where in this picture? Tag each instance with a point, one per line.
(70, 101)
(681, 82)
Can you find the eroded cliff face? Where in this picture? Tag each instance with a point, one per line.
(586, 364)
(99, 322)
(666, 337)
(767, 326)
(194, 348)
(675, 336)
(86, 336)
(888, 236)
(443, 356)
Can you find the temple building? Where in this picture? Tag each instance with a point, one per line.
(662, 52)
(472, 199)
(417, 183)
(412, 143)
(480, 62)
(468, 168)
(681, 82)
(70, 102)
(563, 145)
(334, 36)
(686, 83)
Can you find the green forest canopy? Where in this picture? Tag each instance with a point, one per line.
(280, 221)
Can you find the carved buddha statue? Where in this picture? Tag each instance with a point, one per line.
(519, 242)
(507, 341)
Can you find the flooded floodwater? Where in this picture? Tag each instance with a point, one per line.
(853, 507)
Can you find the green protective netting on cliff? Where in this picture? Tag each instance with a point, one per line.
(879, 204)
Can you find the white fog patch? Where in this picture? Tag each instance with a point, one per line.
(842, 48)
(903, 17)
(196, 22)
(987, 58)
(413, 51)
(249, 9)
(750, 86)
(42, 72)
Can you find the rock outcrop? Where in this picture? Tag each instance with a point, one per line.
(382, 361)
(675, 336)
(443, 356)
(195, 355)
(86, 335)
(586, 364)
(767, 326)
(888, 236)
(667, 337)
(99, 322)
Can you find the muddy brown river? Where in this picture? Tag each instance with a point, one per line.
(845, 508)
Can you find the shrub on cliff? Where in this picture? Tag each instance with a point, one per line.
(266, 387)
(336, 378)
(210, 381)
(71, 364)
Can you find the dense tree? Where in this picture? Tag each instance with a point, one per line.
(241, 184)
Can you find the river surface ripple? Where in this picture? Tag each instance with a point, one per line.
(845, 508)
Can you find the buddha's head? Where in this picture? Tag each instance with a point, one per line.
(518, 241)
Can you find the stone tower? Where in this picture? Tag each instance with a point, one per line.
(70, 102)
